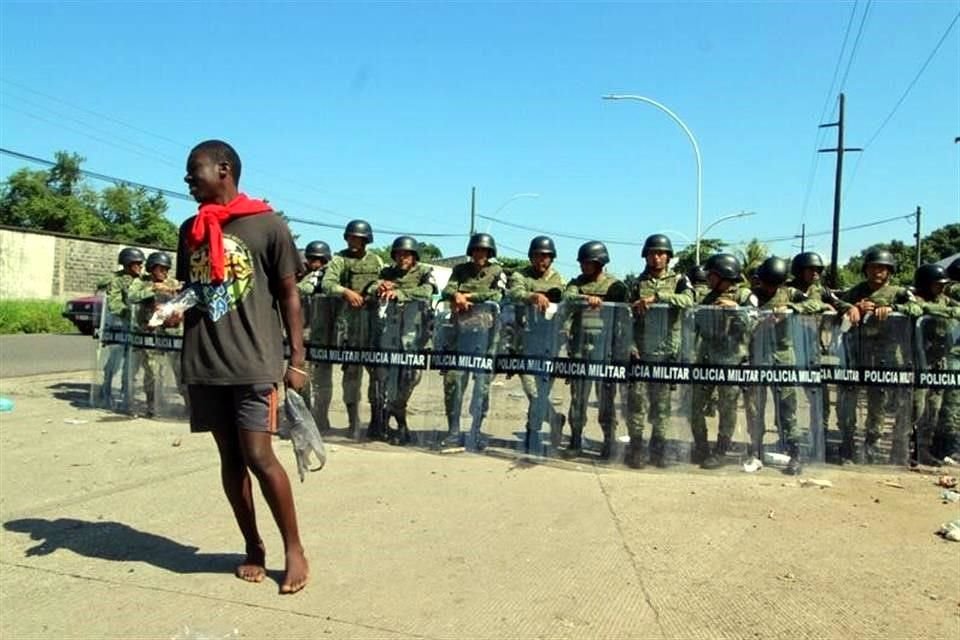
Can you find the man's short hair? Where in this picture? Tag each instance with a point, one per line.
(220, 151)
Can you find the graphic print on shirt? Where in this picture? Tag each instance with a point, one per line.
(219, 299)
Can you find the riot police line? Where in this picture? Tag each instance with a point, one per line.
(767, 381)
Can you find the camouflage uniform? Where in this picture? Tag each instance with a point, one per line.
(815, 348)
(118, 308)
(936, 410)
(871, 345)
(320, 330)
(416, 286)
(484, 285)
(587, 333)
(144, 297)
(521, 285)
(773, 345)
(723, 335)
(656, 335)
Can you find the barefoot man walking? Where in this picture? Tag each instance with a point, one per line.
(242, 259)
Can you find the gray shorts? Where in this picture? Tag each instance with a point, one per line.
(251, 407)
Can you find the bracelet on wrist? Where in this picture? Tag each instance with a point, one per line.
(296, 370)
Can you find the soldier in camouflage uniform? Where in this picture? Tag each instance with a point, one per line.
(146, 295)
(656, 339)
(320, 329)
(948, 428)
(723, 338)
(867, 307)
(477, 281)
(406, 280)
(776, 348)
(591, 288)
(349, 276)
(938, 328)
(697, 276)
(538, 285)
(117, 305)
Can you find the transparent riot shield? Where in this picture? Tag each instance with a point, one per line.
(155, 387)
(655, 423)
(874, 378)
(112, 372)
(937, 397)
(323, 340)
(715, 357)
(530, 341)
(785, 428)
(597, 363)
(400, 340)
(464, 348)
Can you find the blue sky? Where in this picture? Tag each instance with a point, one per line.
(392, 111)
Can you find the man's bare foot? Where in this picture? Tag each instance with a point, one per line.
(297, 572)
(253, 568)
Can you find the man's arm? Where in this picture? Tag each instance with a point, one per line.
(331, 279)
(288, 299)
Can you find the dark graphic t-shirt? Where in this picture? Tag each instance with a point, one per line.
(235, 335)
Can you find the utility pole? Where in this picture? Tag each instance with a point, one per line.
(473, 209)
(840, 150)
(917, 236)
(803, 237)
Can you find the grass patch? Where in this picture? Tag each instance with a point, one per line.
(33, 316)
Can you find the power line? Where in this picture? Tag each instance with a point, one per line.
(913, 82)
(557, 234)
(856, 43)
(851, 228)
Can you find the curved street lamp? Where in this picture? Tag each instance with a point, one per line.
(696, 152)
(503, 206)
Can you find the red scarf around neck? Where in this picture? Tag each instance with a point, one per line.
(208, 227)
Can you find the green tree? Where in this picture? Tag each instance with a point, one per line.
(685, 257)
(752, 255)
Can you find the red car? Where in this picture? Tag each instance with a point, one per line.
(84, 313)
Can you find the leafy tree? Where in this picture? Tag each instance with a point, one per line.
(59, 200)
(752, 255)
(685, 257)
(939, 244)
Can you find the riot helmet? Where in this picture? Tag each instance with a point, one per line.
(593, 251)
(697, 274)
(953, 271)
(657, 242)
(482, 241)
(806, 260)
(130, 255)
(360, 228)
(317, 250)
(542, 244)
(773, 271)
(724, 265)
(928, 275)
(158, 258)
(877, 255)
(405, 243)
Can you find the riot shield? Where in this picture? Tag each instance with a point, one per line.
(655, 394)
(715, 363)
(320, 334)
(400, 339)
(112, 371)
(530, 340)
(597, 360)
(155, 388)
(785, 427)
(465, 347)
(937, 397)
(874, 377)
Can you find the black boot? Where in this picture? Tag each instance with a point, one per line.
(353, 420)
(634, 456)
(453, 438)
(716, 459)
(701, 450)
(794, 466)
(848, 451)
(575, 446)
(658, 451)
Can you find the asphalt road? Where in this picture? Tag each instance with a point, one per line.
(27, 355)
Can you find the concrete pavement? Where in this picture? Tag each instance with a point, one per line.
(117, 528)
(33, 354)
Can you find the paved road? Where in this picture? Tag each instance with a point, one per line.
(27, 355)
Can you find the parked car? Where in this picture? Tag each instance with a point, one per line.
(84, 313)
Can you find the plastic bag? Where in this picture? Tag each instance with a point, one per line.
(180, 303)
(301, 428)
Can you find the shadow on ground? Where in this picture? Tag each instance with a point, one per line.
(77, 394)
(119, 543)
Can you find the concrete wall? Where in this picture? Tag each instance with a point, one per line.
(44, 265)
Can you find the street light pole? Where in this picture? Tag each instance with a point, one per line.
(696, 152)
(742, 214)
(504, 204)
